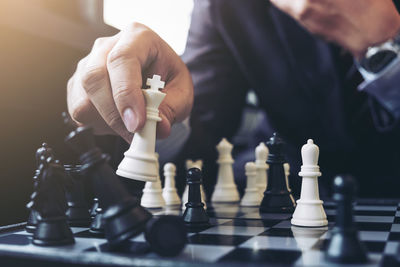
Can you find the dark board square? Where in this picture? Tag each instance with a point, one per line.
(264, 256)
(221, 240)
(389, 261)
(373, 226)
(252, 223)
(282, 232)
(396, 220)
(130, 247)
(394, 236)
(15, 239)
(87, 234)
(375, 246)
(371, 246)
(227, 215)
(375, 212)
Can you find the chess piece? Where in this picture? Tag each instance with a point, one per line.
(69, 124)
(261, 154)
(195, 217)
(49, 201)
(123, 217)
(169, 193)
(92, 210)
(344, 245)
(78, 210)
(97, 225)
(252, 192)
(225, 190)
(167, 235)
(152, 193)
(42, 153)
(140, 161)
(277, 197)
(309, 211)
(194, 164)
(286, 167)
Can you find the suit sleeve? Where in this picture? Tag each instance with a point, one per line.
(219, 86)
(384, 91)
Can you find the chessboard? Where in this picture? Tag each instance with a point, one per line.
(237, 236)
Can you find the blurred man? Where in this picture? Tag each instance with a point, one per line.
(297, 55)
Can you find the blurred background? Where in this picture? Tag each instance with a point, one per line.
(41, 42)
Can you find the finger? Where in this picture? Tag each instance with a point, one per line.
(132, 53)
(288, 6)
(96, 84)
(177, 103)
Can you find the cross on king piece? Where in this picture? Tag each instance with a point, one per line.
(155, 83)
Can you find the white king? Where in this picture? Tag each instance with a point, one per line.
(309, 210)
(140, 161)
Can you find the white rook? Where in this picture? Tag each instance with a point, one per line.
(140, 161)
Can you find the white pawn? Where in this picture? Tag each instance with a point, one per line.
(286, 167)
(193, 164)
(152, 193)
(169, 193)
(261, 154)
(251, 195)
(309, 210)
(225, 190)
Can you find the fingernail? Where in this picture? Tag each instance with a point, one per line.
(130, 120)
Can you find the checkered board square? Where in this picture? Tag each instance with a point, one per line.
(237, 235)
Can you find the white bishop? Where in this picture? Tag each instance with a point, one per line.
(309, 210)
(225, 190)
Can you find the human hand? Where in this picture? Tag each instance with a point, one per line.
(105, 90)
(353, 24)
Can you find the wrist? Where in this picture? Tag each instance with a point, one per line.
(386, 32)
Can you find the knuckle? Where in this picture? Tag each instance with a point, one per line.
(304, 10)
(169, 112)
(70, 82)
(121, 91)
(80, 110)
(114, 120)
(99, 41)
(93, 79)
(134, 25)
(118, 56)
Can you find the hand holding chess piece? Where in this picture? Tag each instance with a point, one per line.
(140, 161)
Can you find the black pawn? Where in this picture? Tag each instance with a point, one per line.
(42, 153)
(97, 225)
(78, 210)
(344, 245)
(167, 235)
(195, 217)
(277, 198)
(123, 216)
(49, 201)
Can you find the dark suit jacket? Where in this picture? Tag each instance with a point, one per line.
(302, 84)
